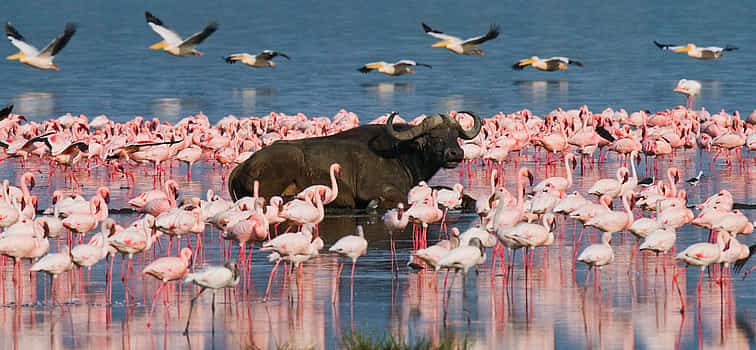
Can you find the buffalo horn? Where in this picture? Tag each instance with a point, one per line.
(428, 124)
(472, 132)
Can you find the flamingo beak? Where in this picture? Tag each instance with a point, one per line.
(31, 184)
(530, 178)
(677, 177)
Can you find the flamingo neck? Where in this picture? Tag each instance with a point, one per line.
(569, 171)
(334, 184)
(673, 187)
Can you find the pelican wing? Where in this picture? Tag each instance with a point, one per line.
(493, 32)
(566, 60)
(168, 34)
(232, 58)
(667, 46)
(370, 66)
(411, 63)
(269, 54)
(435, 33)
(18, 40)
(197, 38)
(60, 42)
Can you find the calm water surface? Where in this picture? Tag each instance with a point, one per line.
(107, 69)
(546, 308)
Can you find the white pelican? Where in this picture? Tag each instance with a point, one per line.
(701, 53)
(398, 68)
(688, 88)
(546, 64)
(172, 42)
(29, 54)
(261, 60)
(459, 46)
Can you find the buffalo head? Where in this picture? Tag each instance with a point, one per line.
(436, 137)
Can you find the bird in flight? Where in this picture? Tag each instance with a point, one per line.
(459, 46)
(261, 60)
(397, 68)
(29, 54)
(173, 43)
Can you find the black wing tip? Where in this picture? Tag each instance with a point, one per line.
(152, 19)
(11, 31)
(283, 55)
(229, 59)
(70, 28)
(577, 63)
(428, 29)
(364, 69)
(212, 26)
(517, 66)
(662, 46)
(730, 48)
(605, 134)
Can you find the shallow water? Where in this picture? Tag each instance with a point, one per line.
(107, 68)
(549, 307)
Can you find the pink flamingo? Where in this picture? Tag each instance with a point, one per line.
(310, 211)
(54, 264)
(180, 221)
(214, 278)
(598, 255)
(701, 255)
(167, 269)
(329, 193)
(170, 190)
(425, 213)
(350, 246)
(289, 246)
(559, 183)
(395, 220)
(190, 155)
(610, 187)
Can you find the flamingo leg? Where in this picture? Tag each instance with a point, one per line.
(191, 307)
(154, 300)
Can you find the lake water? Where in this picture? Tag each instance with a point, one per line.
(107, 68)
(549, 307)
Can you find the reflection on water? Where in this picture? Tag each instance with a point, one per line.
(539, 91)
(251, 97)
(35, 104)
(386, 91)
(550, 306)
(171, 109)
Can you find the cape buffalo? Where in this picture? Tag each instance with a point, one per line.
(378, 162)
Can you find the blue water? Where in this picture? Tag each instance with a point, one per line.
(107, 68)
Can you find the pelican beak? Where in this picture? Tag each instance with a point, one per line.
(159, 46)
(16, 56)
(440, 44)
(373, 66)
(525, 63)
(683, 49)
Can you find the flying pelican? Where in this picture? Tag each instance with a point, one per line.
(701, 53)
(546, 64)
(688, 88)
(398, 68)
(29, 54)
(172, 42)
(459, 46)
(261, 60)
